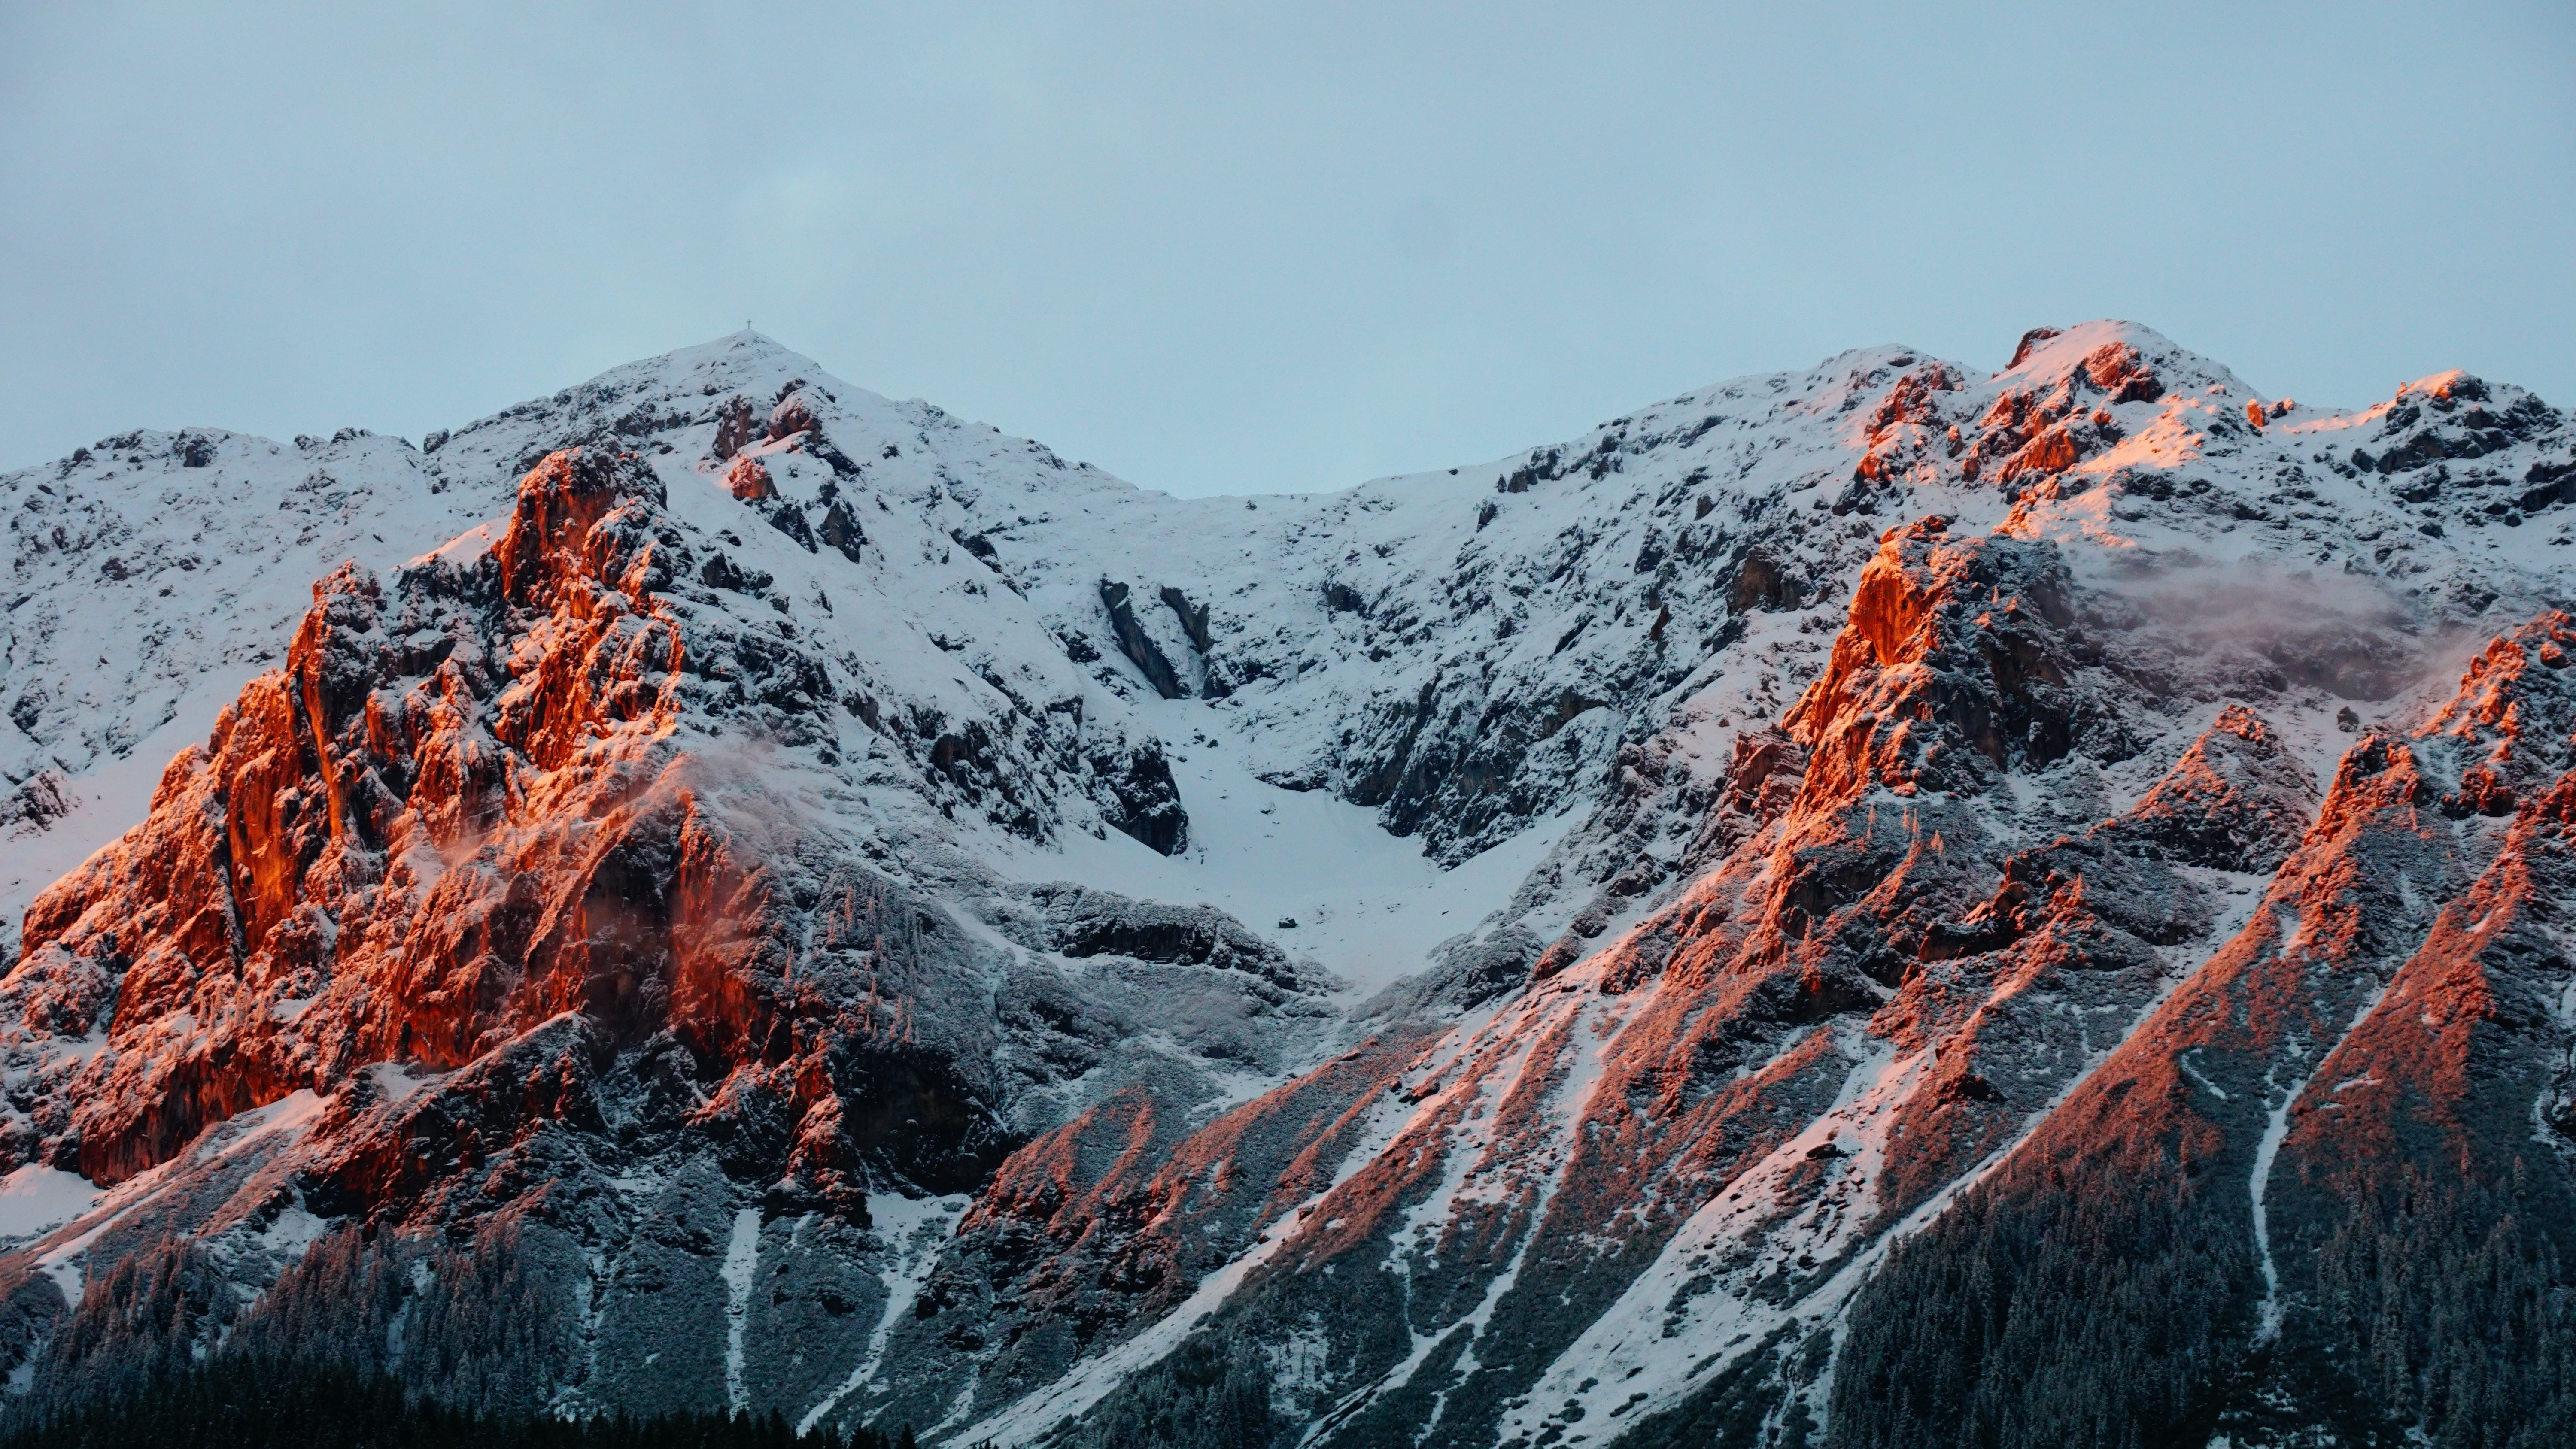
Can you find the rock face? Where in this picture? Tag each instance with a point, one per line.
(1868, 906)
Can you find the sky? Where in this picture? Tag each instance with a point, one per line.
(1219, 248)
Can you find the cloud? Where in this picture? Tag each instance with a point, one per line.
(2266, 627)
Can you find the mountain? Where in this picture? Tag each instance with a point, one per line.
(1886, 904)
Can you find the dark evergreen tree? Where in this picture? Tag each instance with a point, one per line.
(239, 1401)
(1212, 1393)
(2062, 1307)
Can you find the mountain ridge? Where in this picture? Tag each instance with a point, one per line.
(788, 837)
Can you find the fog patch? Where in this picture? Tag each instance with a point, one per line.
(2264, 629)
(748, 782)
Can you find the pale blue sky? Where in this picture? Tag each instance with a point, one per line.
(1219, 249)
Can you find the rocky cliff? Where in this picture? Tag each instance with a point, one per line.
(1886, 904)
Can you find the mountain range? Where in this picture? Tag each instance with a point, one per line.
(1892, 904)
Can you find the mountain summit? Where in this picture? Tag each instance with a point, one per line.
(1880, 905)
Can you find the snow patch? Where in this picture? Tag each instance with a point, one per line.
(2276, 1128)
(742, 1256)
(34, 1199)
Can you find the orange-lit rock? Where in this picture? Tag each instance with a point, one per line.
(750, 481)
(394, 850)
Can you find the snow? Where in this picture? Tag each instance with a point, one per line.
(2276, 1126)
(398, 1080)
(464, 548)
(35, 1198)
(2212, 1088)
(1368, 906)
(742, 1257)
(293, 1231)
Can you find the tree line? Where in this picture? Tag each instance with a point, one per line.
(244, 1402)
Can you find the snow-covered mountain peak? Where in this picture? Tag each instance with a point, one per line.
(2048, 356)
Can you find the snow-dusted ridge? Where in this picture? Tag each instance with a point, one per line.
(1516, 954)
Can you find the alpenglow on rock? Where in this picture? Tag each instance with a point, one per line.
(1884, 905)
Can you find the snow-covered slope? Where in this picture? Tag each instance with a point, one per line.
(152, 576)
(849, 912)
